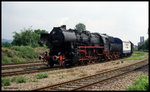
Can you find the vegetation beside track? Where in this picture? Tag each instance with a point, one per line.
(137, 55)
(20, 79)
(140, 84)
(18, 54)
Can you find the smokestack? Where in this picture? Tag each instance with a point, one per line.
(63, 27)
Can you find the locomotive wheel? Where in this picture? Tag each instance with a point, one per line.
(51, 63)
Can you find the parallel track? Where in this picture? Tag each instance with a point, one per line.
(5, 74)
(21, 63)
(6, 67)
(82, 83)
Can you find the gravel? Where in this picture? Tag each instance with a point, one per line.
(120, 83)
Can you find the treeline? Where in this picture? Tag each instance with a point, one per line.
(144, 46)
(30, 37)
(27, 37)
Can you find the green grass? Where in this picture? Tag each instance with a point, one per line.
(34, 80)
(61, 77)
(9, 54)
(118, 63)
(8, 60)
(140, 84)
(21, 79)
(25, 51)
(17, 59)
(41, 75)
(137, 55)
(13, 79)
(6, 82)
(16, 54)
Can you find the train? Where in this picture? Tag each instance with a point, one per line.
(71, 47)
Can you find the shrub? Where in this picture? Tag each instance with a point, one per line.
(13, 79)
(21, 80)
(41, 75)
(118, 63)
(6, 44)
(27, 37)
(5, 81)
(25, 51)
(137, 55)
(17, 59)
(140, 84)
(9, 54)
(6, 60)
(61, 77)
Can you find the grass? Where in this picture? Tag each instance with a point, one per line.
(137, 55)
(17, 59)
(118, 63)
(61, 77)
(25, 51)
(21, 79)
(13, 79)
(18, 54)
(8, 60)
(34, 80)
(41, 75)
(6, 82)
(140, 84)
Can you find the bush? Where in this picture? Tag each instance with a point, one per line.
(17, 59)
(6, 60)
(9, 54)
(13, 79)
(6, 44)
(25, 51)
(41, 75)
(28, 37)
(137, 55)
(140, 84)
(5, 81)
(21, 80)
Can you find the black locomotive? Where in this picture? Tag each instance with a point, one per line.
(74, 47)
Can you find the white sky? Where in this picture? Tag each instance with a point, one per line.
(126, 20)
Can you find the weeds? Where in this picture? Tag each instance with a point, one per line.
(6, 60)
(17, 59)
(41, 75)
(25, 51)
(13, 79)
(9, 54)
(5, 82)
(21, 80)
(140, 84)
(61, 77)
(137, 55)
(118, 63)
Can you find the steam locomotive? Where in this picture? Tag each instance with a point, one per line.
(75, 47)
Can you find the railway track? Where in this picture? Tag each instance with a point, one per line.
(21, 63)
(5, 74)
(24, 65)
(6, 67)
(85, 82)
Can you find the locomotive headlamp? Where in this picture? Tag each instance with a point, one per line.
(55, 58)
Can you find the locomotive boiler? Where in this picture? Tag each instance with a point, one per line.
(74, 47)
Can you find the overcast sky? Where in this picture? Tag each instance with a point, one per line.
(126, 20)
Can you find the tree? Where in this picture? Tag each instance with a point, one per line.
(80, 27)
(144, 45)
(6, 44)
(28, 37)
